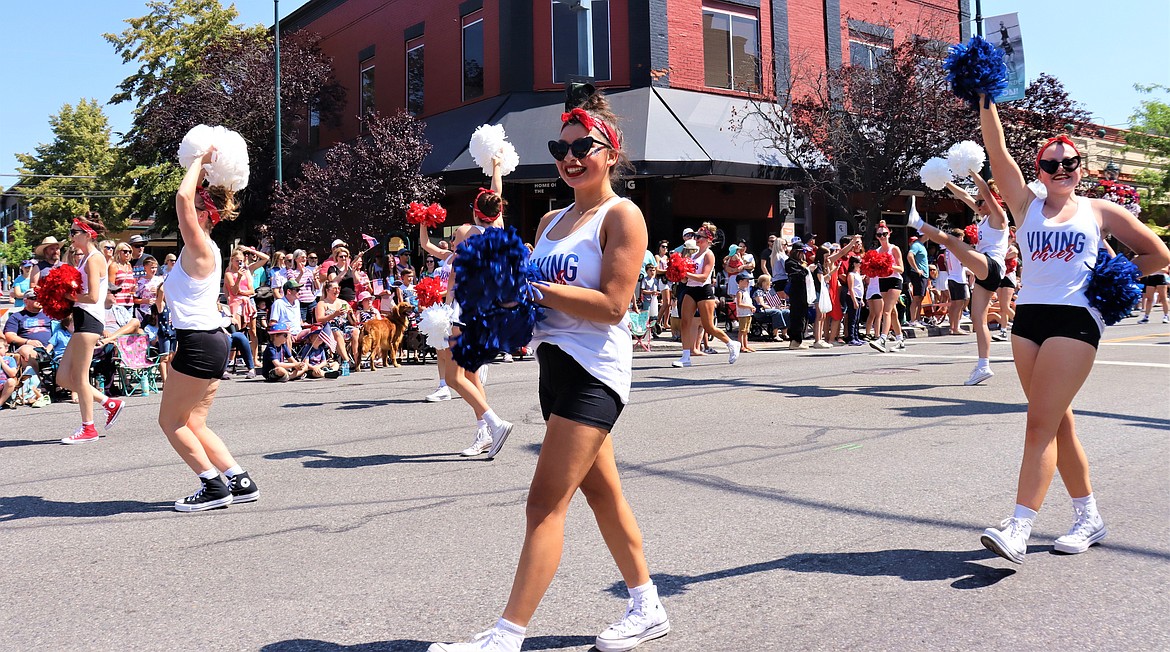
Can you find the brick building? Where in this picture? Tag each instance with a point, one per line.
(677, 71)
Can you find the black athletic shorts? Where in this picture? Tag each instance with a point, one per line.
(1009, 281)
(83, 322)
(889, 283)
(994, 275)
(1154, 280)
(699, 292)
(572, 393)
(917, 283)
(959, 291)
(201, 354)
(1038, 322)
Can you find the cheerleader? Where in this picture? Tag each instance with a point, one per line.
(986, 260)
(698, 293)
(585, 355)
(89, 318)
(1056, 332)
(192, 289)
(1154, 288)
(890, 288)
(491, 431)
(1007, 288)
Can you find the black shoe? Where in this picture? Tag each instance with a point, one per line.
(244, 490)
(214, 494)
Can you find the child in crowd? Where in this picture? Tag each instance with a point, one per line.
(279, 364)
(744, 309)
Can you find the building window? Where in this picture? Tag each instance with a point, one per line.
(414, 76)
(473, 56)
(731, 50)
(314, 127)
(366, 92)
(580, 39)
(868, 49)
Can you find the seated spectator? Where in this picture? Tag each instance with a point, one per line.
(286, 308)
(279, 363)
(10, 374)
(28, 330)
(28, 391)
(335, 313)
(317, 355)
(365, 312)
(239, 344)
(62, 333)
(770, 308)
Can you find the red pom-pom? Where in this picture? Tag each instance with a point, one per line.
(877, 264)
(416, 213)
(678, 268)
(56, 289)
(971, 234)
(429, 291)
(436, 215)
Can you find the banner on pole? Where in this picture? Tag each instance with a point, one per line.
(1004, 31)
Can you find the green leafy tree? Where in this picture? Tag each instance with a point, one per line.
(1150, 134)
(19, 246)
(74, 172)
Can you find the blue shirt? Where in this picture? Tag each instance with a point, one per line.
(23, 284)
(918, 254)
(36, 327)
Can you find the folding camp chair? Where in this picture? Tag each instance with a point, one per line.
(138, 373)
(639, 328)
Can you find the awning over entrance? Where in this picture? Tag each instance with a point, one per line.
(667, 133)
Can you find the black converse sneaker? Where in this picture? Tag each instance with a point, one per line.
(214, 494)
(243, 489)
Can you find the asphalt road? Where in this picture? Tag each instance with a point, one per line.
(814, 500)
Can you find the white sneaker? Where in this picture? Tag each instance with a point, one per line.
(899, 345)
(483, 441)
(1086, 531)
(498, 436)
(1166, 319)
(645, 620)
(821, 344)
(1010, 541)
(978, 375)
(441, 394)
(508, 357)
(493, 640)
(732, 351)
(1144, 320)
(1000, 335)
(681, 362)
(879, 344)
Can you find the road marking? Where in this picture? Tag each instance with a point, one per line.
(847, 447)
(1114, 363)
(1135, 337)
(1135, 343)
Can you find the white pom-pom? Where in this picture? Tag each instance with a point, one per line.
(435, 323)
(1038, 189)
(230, 167)
(966, 158)
(935, 173)
(488, 141)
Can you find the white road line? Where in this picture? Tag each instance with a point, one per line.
(1162, 344)
(1115, 363)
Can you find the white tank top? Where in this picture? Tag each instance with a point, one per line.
(955, 269)
(890, 250)
(993, 242)
(194, 302)
(97, 309)
(699, 257)
(1058, 258)
(604, 350)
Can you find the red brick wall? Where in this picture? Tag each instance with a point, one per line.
(685, 30)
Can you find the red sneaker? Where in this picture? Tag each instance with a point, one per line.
(84, 435)
(113, 411)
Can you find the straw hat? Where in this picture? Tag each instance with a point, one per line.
(46, 243)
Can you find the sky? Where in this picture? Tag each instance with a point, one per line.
(53, 53)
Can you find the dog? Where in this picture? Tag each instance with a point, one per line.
(414, 345)
(383, 337)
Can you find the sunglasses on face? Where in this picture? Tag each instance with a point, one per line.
(883, 234)
(107, 247)
(73, 232)
(1051, 165)
(581, 148)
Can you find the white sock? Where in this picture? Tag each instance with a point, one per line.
(645, 591)
(234, 471)
(1086, 505)
(686, 354)
(86, 423)
(511, 628)
(492, 420)
(480, 423)
(1025, 513)
(209, 474)
(984, 363)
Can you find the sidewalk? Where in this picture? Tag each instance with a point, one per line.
(664, 342)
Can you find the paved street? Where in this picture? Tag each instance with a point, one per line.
(814, 500)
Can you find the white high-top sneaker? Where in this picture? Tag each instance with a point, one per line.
(645, 620)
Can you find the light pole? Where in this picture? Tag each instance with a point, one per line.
(279, 170)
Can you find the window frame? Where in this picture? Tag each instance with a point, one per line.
(469, 20)
(873, 43)
(314, 122)
(552, 32)
(732, 13)
(419, 44)
(363, 111)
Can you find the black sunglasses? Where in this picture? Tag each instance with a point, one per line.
(882, 234)
(78, 232)
(580, 148)
(1051, 165)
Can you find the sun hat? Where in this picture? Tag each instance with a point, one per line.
(279, 328)
(363, 295)
(46, 243)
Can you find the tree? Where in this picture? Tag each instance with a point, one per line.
(364, 186)
(1045, 111)
(74, 172)
(231, 84)
(19, 247)
(1150, 134)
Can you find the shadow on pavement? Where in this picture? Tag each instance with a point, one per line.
(359, 404)
(910, 565)
(10, 443)
(323, 460)
(411, 645)
(17, 507)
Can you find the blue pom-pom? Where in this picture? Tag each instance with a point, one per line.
(1113, 287)
(492, 269)
(976, 68)
(484, 335)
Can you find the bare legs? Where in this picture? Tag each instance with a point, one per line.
(980, 300)
(464, 383)
(573, 456)
(1007, 313)
(183, 418)
(875, 317)
(73, 374)
(890, 313)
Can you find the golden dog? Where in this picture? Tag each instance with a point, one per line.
(381, 338)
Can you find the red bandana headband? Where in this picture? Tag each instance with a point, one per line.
(212, 211)
(78, 224)
(483, 217)
(590, 123)
(1063, 139)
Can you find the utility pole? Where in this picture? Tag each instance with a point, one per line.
(279, 170)
(979, 17)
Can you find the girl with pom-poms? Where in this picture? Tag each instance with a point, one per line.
(584, 350)
(89, 318)
(192, 289)
(699, 294)
(987, 259)
(1056, 332)
(890, 287)
(491, 431)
